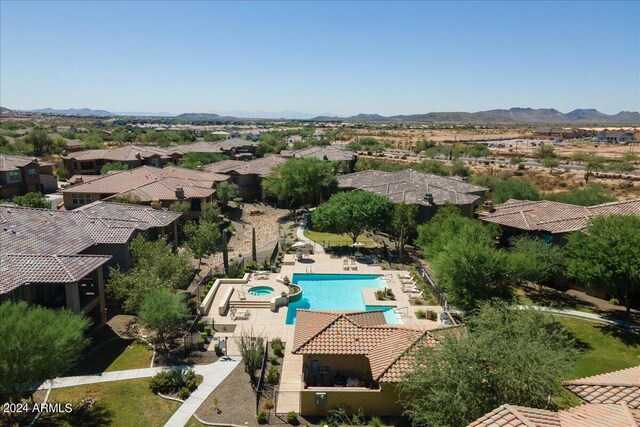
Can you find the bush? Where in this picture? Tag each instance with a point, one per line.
(200, 343)
(268, 405)
(273, 376)
(174, 381)
(375, 422)
(184, 393)
(278, 350)
(338, 417)
(292, 418)
(201, 325)
(208, 330)
(204, 335)
(274, 360)
(218, 350)
(261, 417)
(421, 314)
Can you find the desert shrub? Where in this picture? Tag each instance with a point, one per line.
(292, 418)
(338, 417)
(274, 360)
(174, 380)
(184, 393)
(273, 376)
(208, 330)
(261, 417)
(375, 422)
(277, 349)
(268, 405)
(276, 341)
(421, 314)
(200, 343)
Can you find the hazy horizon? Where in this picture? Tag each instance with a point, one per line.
(317, 58)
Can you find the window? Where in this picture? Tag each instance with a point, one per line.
(86, 165)
(80, 199)
(14, 176)
(196, 204)
(31, 172)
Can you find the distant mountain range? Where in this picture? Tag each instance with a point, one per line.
(499, 116)
(510, 116)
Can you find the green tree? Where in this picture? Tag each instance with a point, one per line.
(504, 355)
(550, 162)
(155, 267)
(195, 160)
(580, 156)
(202, 238)
(301, 181)
(593, 163)
(470, 271)
(352, 212)
(37, 344)
(592, 194)
(32, 200)
(505, 189)
(534, 260)
(436, 167)
(544, 151)
(225, 192)
(210, 213)
(113, 166)
(58, 145)
(164, 312)
(251, 349)
(606, 256)
(459, 168)
(404, 221)
(62, 173)
(182, 208)
(515, 160)
(40, 141)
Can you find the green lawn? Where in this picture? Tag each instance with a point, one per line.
(116, 355)
(118, 403)
(603, 349)
(336, 239)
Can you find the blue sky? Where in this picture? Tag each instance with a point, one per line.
(336, 57)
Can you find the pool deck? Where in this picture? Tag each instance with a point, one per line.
(272, 324)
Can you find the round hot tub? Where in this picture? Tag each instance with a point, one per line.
(261, 291)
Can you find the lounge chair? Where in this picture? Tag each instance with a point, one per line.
(241, 315)
(298, 254)
(405, 276)
(261, 275)
(280, 279)
(354, 264)
(345, 264)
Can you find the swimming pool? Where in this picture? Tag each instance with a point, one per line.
(337, 292)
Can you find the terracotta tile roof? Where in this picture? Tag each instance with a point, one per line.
(516, 416)
(40, 244)
(582, 416)
(235, 143)
(137, 216)
(121, 154)
(36, 268)
(613, 387)
(411, 187)
(261, 166)
(9, 163)
(553, 217)
(150, 183)
(390, 349)
(198, 147)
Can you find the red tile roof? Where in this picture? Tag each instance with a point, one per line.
(582, 416)
(390, 349)
(121, 154)
(9, 163)
(148, 183)
(261, 167)
(48, 268)
(621, 386)
(553, 217)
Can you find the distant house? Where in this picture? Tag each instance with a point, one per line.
(58, 258)
(354, 360)
(247, 175)
(21, 175)
(329, 154)
(91, 161)
(551, 221)
(234, 148)
(616, 387)
(149, 186)
(427, 191)
(620, 136)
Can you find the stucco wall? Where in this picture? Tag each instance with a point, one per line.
(383, 402)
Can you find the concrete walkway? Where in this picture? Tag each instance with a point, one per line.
(213, 374)
(589, 316)
(104, 377)
(317, 248)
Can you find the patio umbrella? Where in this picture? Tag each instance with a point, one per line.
(358, 245)
(299, 245)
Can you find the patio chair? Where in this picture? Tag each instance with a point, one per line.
(404, 276)
(261, 275)
(241, 315)
(345, 264)
(354, 265)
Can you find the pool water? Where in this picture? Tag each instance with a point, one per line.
(261, 290)
(337, 292)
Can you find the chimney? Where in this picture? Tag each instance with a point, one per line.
(179, 193)
(488, 205)
(78, 180)
(155, 204)
(428, 197)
